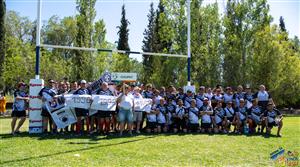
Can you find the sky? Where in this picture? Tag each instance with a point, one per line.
(136, 12)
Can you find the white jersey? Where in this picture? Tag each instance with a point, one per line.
(161, 117)
(126, 102)
(228, 98)
(152, 117)
(180, 111)
(193, 115)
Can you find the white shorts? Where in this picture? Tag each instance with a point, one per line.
(137, 116)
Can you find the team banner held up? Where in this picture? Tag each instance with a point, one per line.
(78, 101)
(142, 105)
(64, 117)
(104, 103)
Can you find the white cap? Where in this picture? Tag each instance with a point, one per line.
(83, 81)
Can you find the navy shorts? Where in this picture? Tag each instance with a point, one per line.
(270, 125)
(179, 123)
(193, 127)
(104, 114)
(81, 112)
(18, 114)
(45, 113)
(151, 125)
(205, 125)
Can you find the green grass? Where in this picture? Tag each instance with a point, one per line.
(144, 150)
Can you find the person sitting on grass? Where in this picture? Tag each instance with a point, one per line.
(178, 118)
(152, 120)
(241, 112)
(273, 118)
(255, 117)
(206, 112)
(230, 116)
(193, 113)
(19, 108)
(218, 118)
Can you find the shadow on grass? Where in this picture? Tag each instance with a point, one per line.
(76, 150)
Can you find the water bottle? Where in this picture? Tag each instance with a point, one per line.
(246, 128)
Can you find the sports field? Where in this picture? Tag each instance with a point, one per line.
(144, 150)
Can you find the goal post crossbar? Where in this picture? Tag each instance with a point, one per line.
(112, 50)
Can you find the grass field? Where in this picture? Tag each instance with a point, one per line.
(144, 150)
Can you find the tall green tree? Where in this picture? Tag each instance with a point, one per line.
(206, 44)
(163, 37)
(241, 21)
(122, 60)
(282, 24)
(123, 32)
(83, 60)
(2, 35)
(148, 44)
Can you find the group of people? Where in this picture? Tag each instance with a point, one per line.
(205, 110)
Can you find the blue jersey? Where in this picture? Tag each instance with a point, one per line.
(82, 92)
(19, 105)
(148, 94)
(104, 92)
(161, 117)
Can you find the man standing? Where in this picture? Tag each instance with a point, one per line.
(19, 108)
(82, 113)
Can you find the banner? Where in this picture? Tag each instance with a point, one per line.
(142, 105)
(63, 117)
(54, 105)
(78, 101)
(106, 77)
(104, 103)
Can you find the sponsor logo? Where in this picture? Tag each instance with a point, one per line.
(33, 85)
(34, 97)
(285, 158)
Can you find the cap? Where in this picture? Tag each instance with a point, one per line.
(229, 102)
(205, 99)
(201, 87)
(83, 81)
(21, 84)
(189, 91)
(51, 81)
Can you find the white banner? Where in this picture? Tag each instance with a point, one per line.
(64, 117)
(78, 101)
(142, 105)
(103, 103)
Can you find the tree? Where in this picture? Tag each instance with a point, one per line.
(148, 44)
(85, 19)
(2, 35)
(206, 44)
(122, 60)
(282, 24)
(241, 21)
(123, 32)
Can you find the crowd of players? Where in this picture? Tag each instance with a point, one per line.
(207, 110)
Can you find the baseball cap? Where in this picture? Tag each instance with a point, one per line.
(21, 84)
(83, 81)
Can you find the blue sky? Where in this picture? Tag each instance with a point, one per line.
(137, 10)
